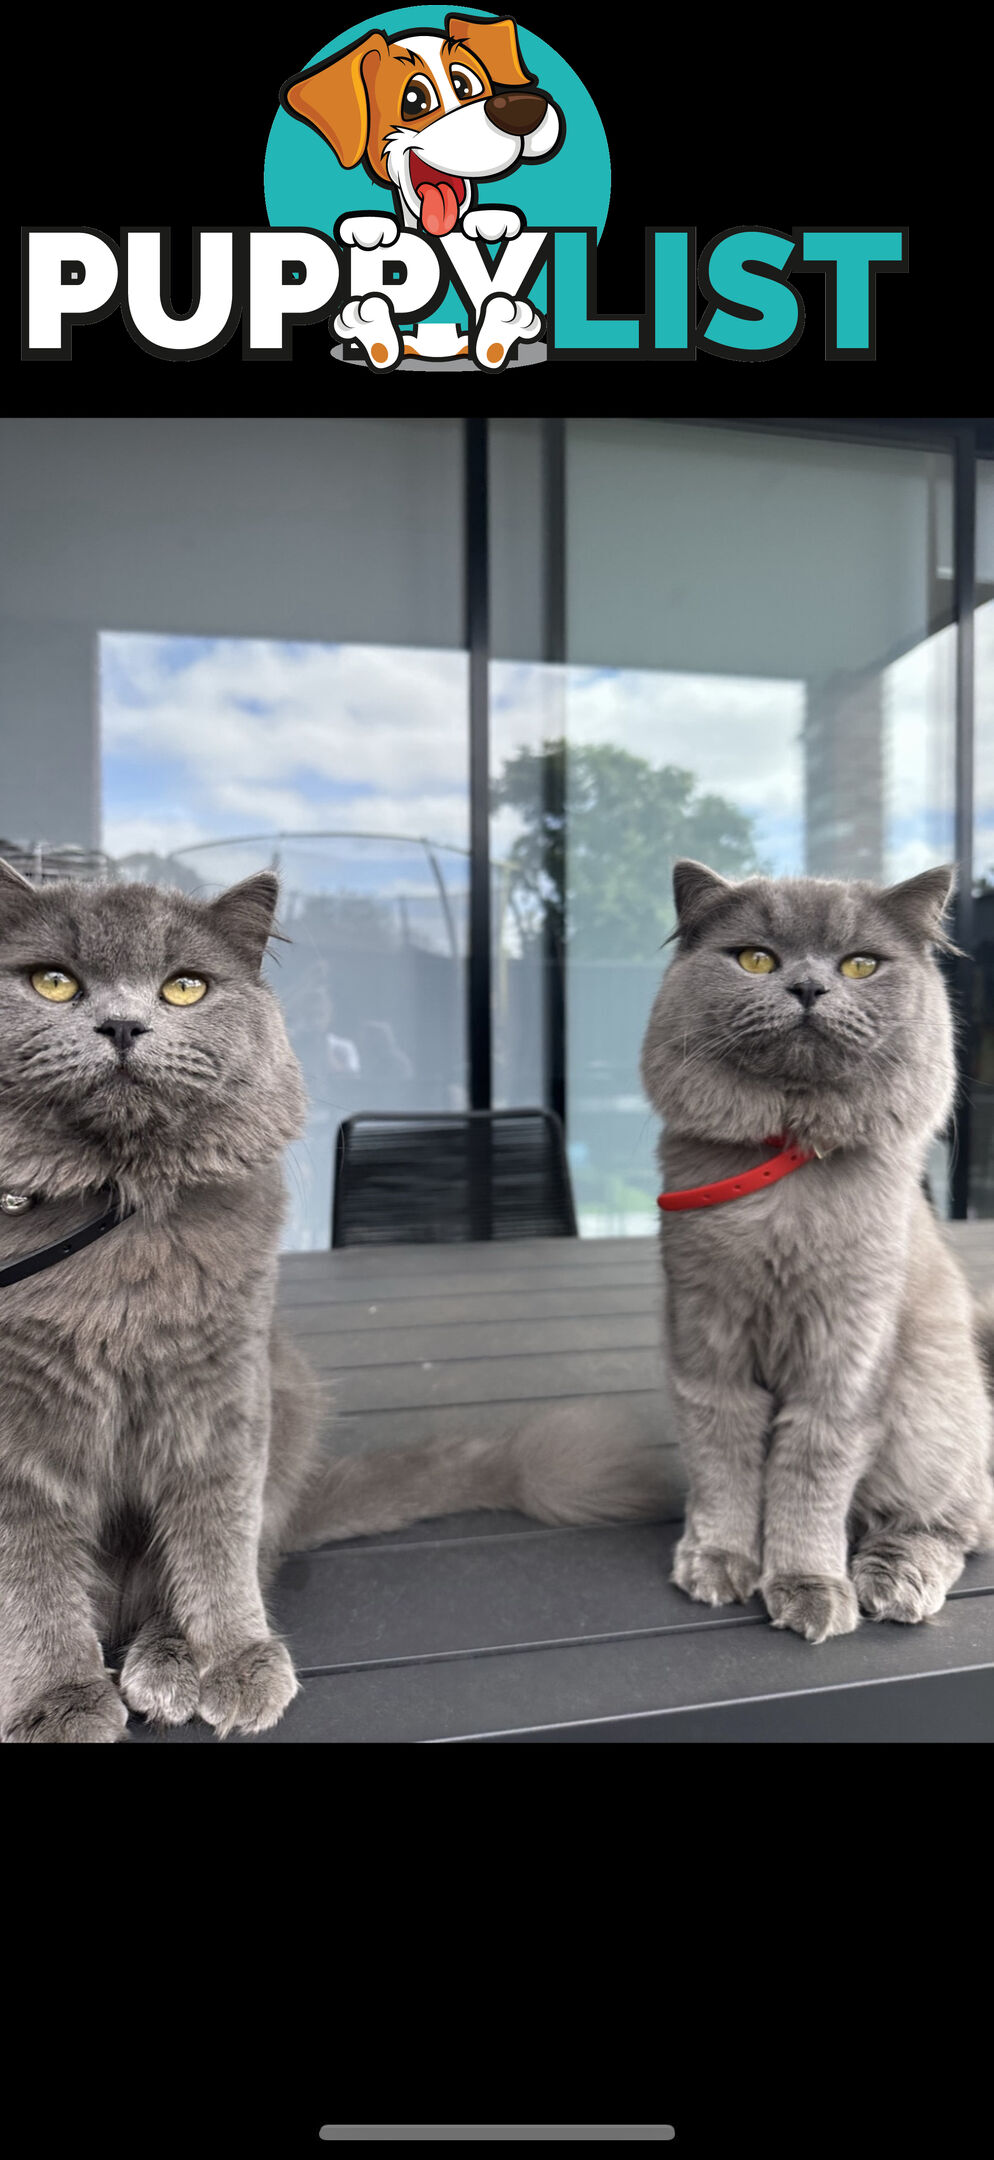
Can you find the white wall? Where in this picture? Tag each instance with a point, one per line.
(327, 529)
(711, 551)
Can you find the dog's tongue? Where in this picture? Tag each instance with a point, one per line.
(439, 207)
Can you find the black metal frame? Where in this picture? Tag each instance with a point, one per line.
(956, 438)
(478, 646)
(554, 772)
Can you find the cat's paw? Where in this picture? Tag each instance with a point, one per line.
(84, 1711)
(249, 1690)
(815, 1606)
(714, 1578)
(159, 1677)
(893, 1586)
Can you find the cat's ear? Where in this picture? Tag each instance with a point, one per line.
(14, 891)
(244, 914)
(695, 887)
(918, 905)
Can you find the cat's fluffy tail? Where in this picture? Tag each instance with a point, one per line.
(557, 1469)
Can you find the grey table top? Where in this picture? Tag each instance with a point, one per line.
(494, 1627)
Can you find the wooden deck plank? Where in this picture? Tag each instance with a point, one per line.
(494, 1267)
(651, 1678)
(313, 1313)
(487, 1341)
(494, 1379)
(560, 1264)
(639, 1419)
(349, 1606)
(950, 1707)
(348, 1290)
(492, 1523)
(362, 1261)
(371, 1600)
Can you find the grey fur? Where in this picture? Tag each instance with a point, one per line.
(826, 1360)
(568, 1463)
(158, 1434)
(153, 1431)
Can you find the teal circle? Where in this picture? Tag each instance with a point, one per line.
(306, 186)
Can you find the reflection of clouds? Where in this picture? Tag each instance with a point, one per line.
(439, 817)
(738, 736)
(743, 738)
(287, 733)
(919, 706)
(146, 833)
(204, 735)
(263, 706)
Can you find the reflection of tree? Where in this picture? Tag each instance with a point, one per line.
(595, 854)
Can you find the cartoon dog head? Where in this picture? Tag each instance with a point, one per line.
(430, 115)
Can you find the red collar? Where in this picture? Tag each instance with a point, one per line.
(732, 1188)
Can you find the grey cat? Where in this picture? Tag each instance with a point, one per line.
(159, 1436)
(827, 1362)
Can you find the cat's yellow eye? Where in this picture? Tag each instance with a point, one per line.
(755, 961)
(184, 989)
(55, 985)
(858, 966)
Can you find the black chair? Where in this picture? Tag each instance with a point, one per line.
(439, 1178)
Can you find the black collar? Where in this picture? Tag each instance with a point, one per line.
(48, 1255)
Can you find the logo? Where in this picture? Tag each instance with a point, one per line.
(436, 187)
(451, 134)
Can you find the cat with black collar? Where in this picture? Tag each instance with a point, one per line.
(160, 1435)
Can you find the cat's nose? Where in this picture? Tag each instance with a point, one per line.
(123, 1033)
(807, 990)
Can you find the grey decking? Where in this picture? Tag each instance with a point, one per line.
(492, 1627)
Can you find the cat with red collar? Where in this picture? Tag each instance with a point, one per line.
(827, 1363)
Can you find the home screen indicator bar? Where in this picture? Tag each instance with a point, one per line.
(498, 2133)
